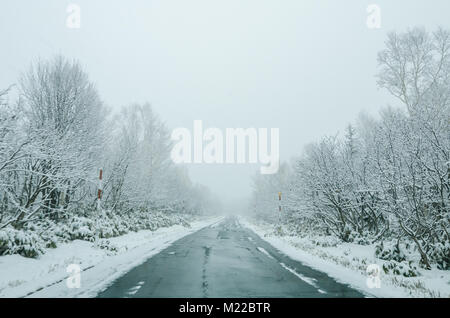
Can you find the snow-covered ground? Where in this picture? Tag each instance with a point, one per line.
(101, 263)
(348, 262)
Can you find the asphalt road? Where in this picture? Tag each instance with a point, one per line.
(225, 260)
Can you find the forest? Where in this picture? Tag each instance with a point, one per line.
(56, 134)
(386, 179)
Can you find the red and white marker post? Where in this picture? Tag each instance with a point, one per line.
(100, 190)
(279, 200)
(279, 207)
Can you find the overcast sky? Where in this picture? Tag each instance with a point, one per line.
(304, 66)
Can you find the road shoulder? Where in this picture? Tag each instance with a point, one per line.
(347, 264)
(99, 265)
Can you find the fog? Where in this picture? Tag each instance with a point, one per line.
(306, 67)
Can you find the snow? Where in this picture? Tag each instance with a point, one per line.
(347, 263)
(46, 276)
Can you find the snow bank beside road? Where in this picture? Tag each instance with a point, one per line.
(101, 262)
(347, 263)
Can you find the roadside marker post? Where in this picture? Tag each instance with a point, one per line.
(279, 207)
(279, 199)
(100, 189)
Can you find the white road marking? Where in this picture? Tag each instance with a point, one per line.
(250, 239)
(264, 252)
(134, 290)
(308, 280)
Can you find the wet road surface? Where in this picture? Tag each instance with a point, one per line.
(225, 260)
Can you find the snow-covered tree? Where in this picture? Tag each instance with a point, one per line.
(387, 177)
(266, 187)
(64, 119)
(54, 140)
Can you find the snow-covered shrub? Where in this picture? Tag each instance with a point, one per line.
(106, 227)
(62, 232)
(156, 219)
(122, 224)
(404, 268)
(81, 228)
(107, 245)
(46, 230)
(302, 229)
(390, 251)
(25, 243)
(440, 254)
(50, 240)
(179, 219)
(326, 241)
(361, 239)
(32, 240)
(279, 231)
